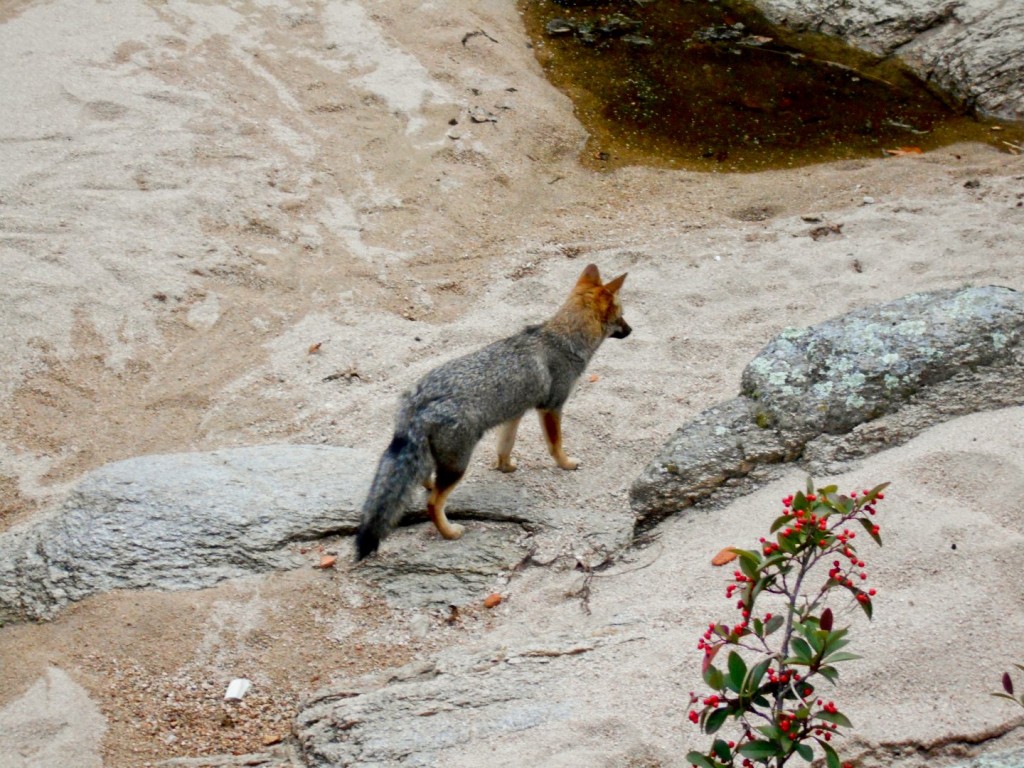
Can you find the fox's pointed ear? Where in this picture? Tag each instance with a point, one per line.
(590, 276)
(614, 285)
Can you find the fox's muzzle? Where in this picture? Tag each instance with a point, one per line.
(622, 331)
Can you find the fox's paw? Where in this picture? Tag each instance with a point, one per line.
(453, 531)
(569, 463)
(505, 465)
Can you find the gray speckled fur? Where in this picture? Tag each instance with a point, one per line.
(459, 401)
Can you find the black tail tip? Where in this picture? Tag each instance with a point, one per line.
(366, 544)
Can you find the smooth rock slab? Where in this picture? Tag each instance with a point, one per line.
(180, 521)
(412, 716)
(191, 520)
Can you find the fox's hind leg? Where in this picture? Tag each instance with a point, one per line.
(507, 439)
(551, 422)
(444, 482)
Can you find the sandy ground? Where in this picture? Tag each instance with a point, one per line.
(196, 194)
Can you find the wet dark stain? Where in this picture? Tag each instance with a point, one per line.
(757, 212)
(714, 86)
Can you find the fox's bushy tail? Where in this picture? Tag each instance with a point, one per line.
(404, 464)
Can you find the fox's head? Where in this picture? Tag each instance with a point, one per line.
(600, 304)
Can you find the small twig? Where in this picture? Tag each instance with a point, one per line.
(469, 35)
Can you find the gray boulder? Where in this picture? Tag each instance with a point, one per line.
(967, 48)
(843, 372)
(842, 390)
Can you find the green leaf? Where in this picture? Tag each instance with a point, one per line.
(773, 624)
(776, 559)
(750, 567)
(869, 526)
(836, 639)
(780, 522)
(756, 589)
(805, 751)
(785, 743)
(829, 673)
(831, 757)
(715, 719)
(721, 750)
(747, 554)
(801, 650)
(754, 677)
(701, 760)
(873, 493)
(800, 501)
(737, 671)
(834, 717)
(833, 658)
(758, 750)
(714, 678)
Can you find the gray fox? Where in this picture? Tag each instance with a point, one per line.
(442, 419)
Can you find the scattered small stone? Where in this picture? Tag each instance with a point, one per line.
(327, 561)
(972, 184)
(481, 115)
(868, 200)
(559, 27)
(825, 230)
(237, 689)
(811, 218)
(492, 600)
(638, 41)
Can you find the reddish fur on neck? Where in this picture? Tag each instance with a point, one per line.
(584, 312)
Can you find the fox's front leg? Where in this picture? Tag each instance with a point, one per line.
(551, 423)
(507, 439)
